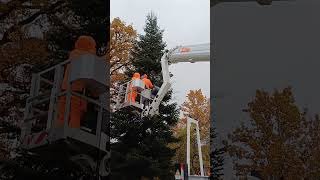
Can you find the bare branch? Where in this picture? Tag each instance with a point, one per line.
(49, 10)
(125, 64)
(6, 9)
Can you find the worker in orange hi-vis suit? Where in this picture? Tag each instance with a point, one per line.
(148, 85)
(147, 82)
(78, 106)
(132, 91)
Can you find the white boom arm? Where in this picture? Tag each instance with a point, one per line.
(193, 53)
(261, 2)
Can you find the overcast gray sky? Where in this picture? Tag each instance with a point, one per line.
(263, 47)
(185, 22)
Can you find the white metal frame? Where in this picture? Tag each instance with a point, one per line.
(191, 54)
(261, 2)
(122, 97)
(189, 122)
(56, 92)
(99, 139)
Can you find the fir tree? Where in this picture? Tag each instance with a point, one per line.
(216, 158)
(149, 50)
(142, 144)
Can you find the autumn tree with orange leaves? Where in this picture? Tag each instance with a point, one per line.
(279, 141)
(122, 39)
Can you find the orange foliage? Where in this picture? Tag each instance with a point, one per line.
(122, 39)
(25, 51)
(279, 141)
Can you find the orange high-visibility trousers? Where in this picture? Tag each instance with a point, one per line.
(132, 91)
(78, 107)
(132, 95)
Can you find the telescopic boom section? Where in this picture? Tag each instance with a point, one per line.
(261, 2)
(192, 54)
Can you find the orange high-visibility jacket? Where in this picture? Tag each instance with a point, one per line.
(133, 92)
(84, 45)
(147, 82)
(78, 106)
(135, 76)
